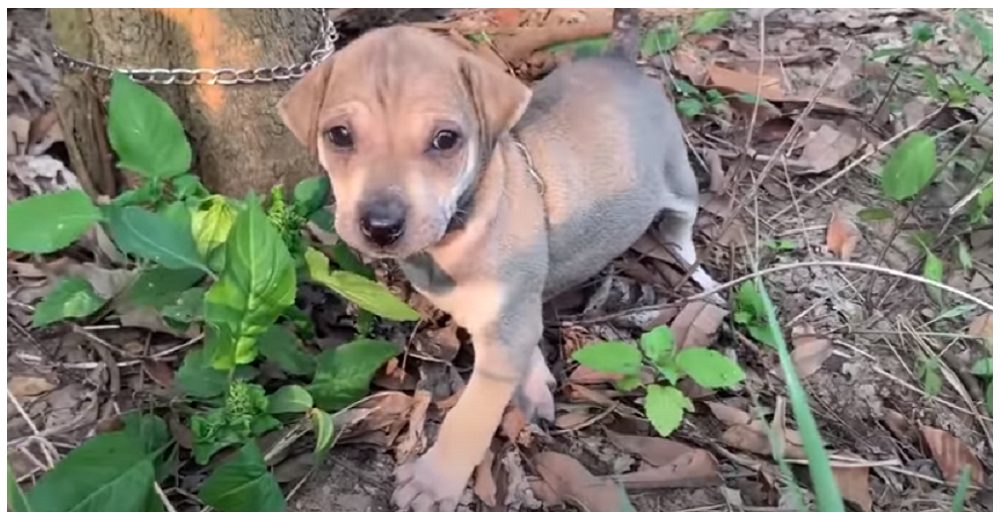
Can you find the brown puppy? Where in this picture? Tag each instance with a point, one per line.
(493, 197)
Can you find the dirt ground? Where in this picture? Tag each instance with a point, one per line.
(784, 182)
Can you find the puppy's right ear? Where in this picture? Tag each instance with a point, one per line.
(299, 108)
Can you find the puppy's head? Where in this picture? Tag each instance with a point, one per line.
(403, 121)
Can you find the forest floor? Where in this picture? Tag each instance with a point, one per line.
(790, 120)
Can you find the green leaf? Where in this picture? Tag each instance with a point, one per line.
(147, 194)
(910, 168)
(322, 424)
(159, 286)
(973, 83)
(50, 222)
(709, 368)
(713, 97)
(582, 48)
(660, 40)
(874, 214)
(982, 209)
(282, 348)
(964, 255)
(922, 32)
(211, 222)
(243, 417)
(16, 501)
(289, 399)
(782, 245)
(690, 107)
(72, 298)
(243, 483)
(344, 373)
(929, 373)
(710, 20)
(257, 284)
(311, 195)
(153, 436)
(658, 344)
(933, 270)
(188, 186)
(750, 312)
(982, 33)
(109, 472)
(616, 357)
(685, 88)
(145, 132)
(154, 237)
(665, 407)
(629, 382)
(962, 489)
(187, 307)
(348, 260)
(983, 367)
(367, 294)
(197, 378)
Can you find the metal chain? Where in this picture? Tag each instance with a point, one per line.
(328, 37)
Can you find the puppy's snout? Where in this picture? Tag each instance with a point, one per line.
(383, 221)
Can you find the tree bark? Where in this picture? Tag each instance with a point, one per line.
(238, 139)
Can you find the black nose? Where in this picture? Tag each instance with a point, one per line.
(383, 220)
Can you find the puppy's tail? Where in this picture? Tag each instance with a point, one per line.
(625, 31)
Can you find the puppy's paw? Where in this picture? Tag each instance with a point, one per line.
(428, 484)
(534, 395)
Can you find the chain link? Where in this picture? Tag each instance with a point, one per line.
(328, 37)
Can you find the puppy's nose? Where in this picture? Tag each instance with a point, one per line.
(383, 221)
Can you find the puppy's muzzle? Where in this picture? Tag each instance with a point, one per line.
(383, 220)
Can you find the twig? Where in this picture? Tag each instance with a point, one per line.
(778, 269)
(163, 498)
(853, 164)
(760, 80)
(171, 350)
(20, 410)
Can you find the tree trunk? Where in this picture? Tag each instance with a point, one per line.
(238, 139)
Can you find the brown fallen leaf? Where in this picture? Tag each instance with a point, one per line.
(383, 411)
(484, 485)
(654, 450)
(827, 147)
(716, 175)
(747, 438)
(810, 350)
(159, 371)
(899, 425)
(696, 468)
(774, 129)
(982, 327)
(28, 386)
(951, 455)
(746, 82)
(842, 235)
(731, 416)
(180, 432)
(415, 441)
(572, 483)
(574, 419)
(697, 324)
(853, 484)
(584, 375)
(582, 394)
(517, 44)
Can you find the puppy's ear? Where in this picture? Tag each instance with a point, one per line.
(299, 108)
(498, 98)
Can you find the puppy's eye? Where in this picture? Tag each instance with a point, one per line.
(340, 136)
(445, 140)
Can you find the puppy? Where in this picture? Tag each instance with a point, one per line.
(492, 197)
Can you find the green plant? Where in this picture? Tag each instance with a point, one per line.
(231, 266)
(984, 370)
(750, 311)
(664, 403)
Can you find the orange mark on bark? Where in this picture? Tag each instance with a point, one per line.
(214, 46)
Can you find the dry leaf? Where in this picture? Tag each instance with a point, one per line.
(159, 371)
(381, 412)
(810, 350)
(774, 129)
(654, 450)
(951, 455)
(574, 419)
(587, 376)
(827, 147)
(572, 483)
(738, 81)
(696, 468)
(716, 175)
(853, 484)
(45, 130)
(506, 17)
(731, 416)
(517, 45)
(697, 324)
(28, 386)
(415, 441)
(747, 438)
(582, 394)
(484, 485)
(18, 128)
(982, 327)
(899, 425)
(842, 235)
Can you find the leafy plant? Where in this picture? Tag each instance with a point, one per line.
(664, 403)
(231, 266)
(984, 370)
(750, 312)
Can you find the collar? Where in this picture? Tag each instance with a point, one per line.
(465, 203)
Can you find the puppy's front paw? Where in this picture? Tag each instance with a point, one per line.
(429, 484)
(534, 395)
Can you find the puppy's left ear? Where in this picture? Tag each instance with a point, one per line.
(299, 108)
(498, 98)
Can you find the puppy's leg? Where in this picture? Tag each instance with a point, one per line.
(503, 355)
(676, 226)
(534, 396)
